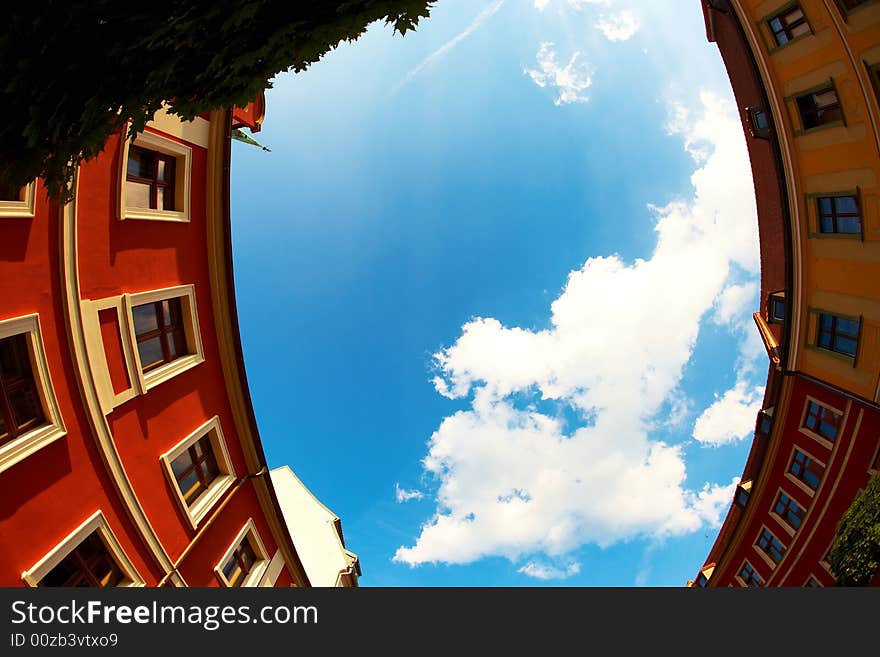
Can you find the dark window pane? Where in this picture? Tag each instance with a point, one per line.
(26, 406)
(150, 352)
(145, 319)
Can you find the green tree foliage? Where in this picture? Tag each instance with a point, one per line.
(855, 552)
(74, 71)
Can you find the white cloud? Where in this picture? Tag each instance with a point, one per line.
(512, 481)
(475, 24)
(734, 302)
(620, 26)
(546, 571)
(403, 495)
(732, 417)
(572, 80)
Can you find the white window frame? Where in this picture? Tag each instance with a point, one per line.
(94, 523)
(148, 380)
(23, 446)
(182, 178)
(253, 578)
(22, 208)
(197, 511)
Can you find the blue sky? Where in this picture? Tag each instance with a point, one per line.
(495, 282)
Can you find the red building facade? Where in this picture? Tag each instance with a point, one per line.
(129, 452)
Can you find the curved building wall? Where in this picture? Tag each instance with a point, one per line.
(816, 443)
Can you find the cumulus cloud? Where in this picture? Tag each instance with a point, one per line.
(515, 481)
(734, 302)
(620, 26)
(571, 80)
(403, 495)
(732, 417)
(545, 571)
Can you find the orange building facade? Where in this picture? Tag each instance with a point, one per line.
(805, 77)
(129, 452)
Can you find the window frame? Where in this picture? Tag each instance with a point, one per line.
(814, 316)
(182, 154)
(772, 299)
(847, 12)
(822, 440)
(153, 377)
(756, 131)
(208, 499)
(23, 208)
(764, 552)
(827, 85)
(798, 481)
(814, 214)
(252, 579)
(778, 13)
(94, 523)
(20, 447)
(789, 528)
(742, 582)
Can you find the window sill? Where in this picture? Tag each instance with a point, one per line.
(20, 448)
(20, 209)
(206, 501)
(162, 374)
(147, 214)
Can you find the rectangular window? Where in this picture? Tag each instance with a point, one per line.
(163, 334)
(822, 421)
(29, 415)
(776, 308)
(200, 470)
(20, 406)
(89, 556)
(819, 108)
(759, 122)
(789, 510)
(195, 469)
(160, 332)
(838, 334)
(848, 5)
(245, 561)
(839, 215)
(806, 469)
(149, 179)
(749, 576)
(771, 546)
(789, 25)
(155, 178)
(17, 201)
(88, 564)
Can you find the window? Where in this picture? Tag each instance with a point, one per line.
(20, 407)
(163, 333)
(822, 421)
(776, 308)
(743, 491)
(155, 179)
(88, 556)
(199, 470)
(149, 180)
(705, 575)
(848, 5)
(17, 201)
(159, 331)
(838, 334)
(819, 108)
(765, 422)
(840, 215)
(29, 415)
(245, 560)
(88, 564)
(789, 25)
(806, 469)
(759, 122)
(789, 510)
(812, 583)
(749, 576)
(771, 546)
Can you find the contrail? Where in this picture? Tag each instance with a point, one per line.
(449, 45)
